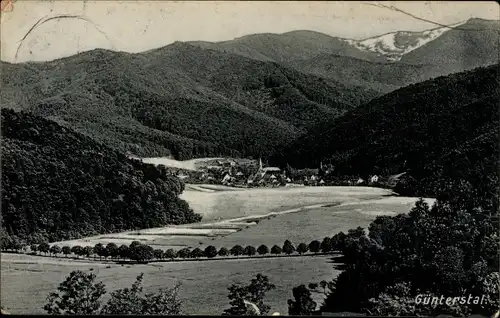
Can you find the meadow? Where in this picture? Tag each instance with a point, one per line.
(236, 211)
(28, 281)
(245, 217)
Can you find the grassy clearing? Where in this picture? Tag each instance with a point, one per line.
(266, 216)
(227, 213)
(306, 226)
(26, 285)
(220, 205)
(253, 214)
(180, 164)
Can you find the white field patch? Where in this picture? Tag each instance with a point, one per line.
(386, 44)
(409, 201)
(226, 213)
(191, 164)
(223, 205)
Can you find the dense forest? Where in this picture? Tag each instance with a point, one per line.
(441, 129)
(179, 100)
(58, 184)
(450, 249)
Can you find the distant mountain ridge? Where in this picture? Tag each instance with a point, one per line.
(244, 97)
(410, 57)
(305, 44)
(472, 44)
(178, 100)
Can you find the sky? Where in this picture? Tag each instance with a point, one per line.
(136, 26)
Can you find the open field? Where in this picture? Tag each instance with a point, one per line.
(221, 205)
(236, 211)
(185, 164)
(245, 217)
(210, 188)
(204, 284)
(266, 216)
(192, 164)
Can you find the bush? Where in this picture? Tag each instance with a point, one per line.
(263, 250)
(276, 250)
(237, 250)
(210, 251)
(288, 247)
(302, 248)
(223, 251)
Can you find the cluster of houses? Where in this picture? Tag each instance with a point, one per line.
(228, 172)
(247, 174)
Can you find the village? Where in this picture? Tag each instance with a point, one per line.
(252, 173)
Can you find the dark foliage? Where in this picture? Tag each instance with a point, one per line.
(80, 294)
(263, 250)
(253, 292)
(57, 185)
(302, 304)
(302, 248)
(276, 250)
(196, 253)
(450, 249)
(210, 251)
(250, 250)
(315, 246)
(438, 131)
(237, 250)
(288, 247)
(223, 251)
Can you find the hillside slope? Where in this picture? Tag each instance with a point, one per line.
(179, 99)
(57, 185)
(472, 44)
(290, 46)
(384, 77)
(415, 129)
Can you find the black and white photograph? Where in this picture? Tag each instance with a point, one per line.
(250, 158)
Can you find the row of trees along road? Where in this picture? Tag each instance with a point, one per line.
(142, 252)
(448, 249)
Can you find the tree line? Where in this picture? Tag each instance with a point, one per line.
(449, 249)
(140, 252)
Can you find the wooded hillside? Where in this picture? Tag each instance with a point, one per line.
(57, 184)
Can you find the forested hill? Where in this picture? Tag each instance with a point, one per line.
(435, 129)
(57, 184)
(179, 99)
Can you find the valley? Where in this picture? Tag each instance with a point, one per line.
(300, 172)
(283, 212)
